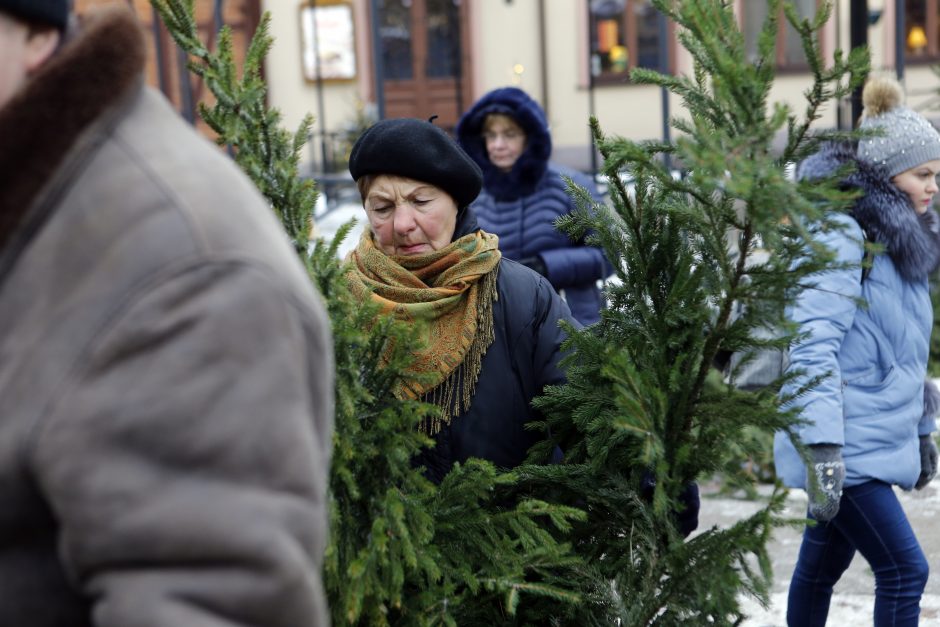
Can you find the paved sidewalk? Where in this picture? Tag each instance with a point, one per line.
(854, 595)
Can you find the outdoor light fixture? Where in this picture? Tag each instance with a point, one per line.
(917, 38)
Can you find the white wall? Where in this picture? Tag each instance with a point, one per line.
(505, 45)
(287, 89)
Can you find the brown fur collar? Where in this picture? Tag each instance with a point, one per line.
(40, 125)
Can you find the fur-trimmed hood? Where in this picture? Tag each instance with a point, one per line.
(91, 74)
(883, 211)
(531, 165)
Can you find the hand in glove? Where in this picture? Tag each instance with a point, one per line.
(535, 263)
(928, 461)
(687, 517)
(829, 469)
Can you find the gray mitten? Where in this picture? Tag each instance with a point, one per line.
(829, 470)
(928, 461)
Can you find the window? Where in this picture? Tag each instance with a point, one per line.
(624, 35)
(790, 55)
(921, 30)
(443, 32)
(395, 35)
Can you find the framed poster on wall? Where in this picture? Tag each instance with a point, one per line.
(327, 39)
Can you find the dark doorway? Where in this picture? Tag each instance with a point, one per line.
(425, 58)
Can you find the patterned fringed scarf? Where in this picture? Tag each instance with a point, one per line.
(450, 293)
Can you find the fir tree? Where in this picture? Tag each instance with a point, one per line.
(643, 413)
(402, 551)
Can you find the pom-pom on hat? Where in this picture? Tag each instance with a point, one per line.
(908, 139)
(417, 150)
(52, 12)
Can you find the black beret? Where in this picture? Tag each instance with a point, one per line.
(52, 12)
(418, 150)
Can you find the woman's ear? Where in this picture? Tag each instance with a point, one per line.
(39, 47)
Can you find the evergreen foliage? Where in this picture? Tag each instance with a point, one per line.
(593, 540)
(402, 551)
(641, 402)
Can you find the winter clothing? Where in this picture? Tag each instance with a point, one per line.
(829, 470)
(687, 517)
(166, 385)
(872, 522)
(521, 206)
(520, 362)
(52, 12)
(928, 461)
(907, 138)
(417, 150)
(451, 292)
(872, 403)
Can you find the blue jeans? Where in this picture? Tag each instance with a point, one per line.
(870, 520)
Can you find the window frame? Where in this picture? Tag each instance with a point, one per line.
(931, 28)
(628, 25)
(780, 49)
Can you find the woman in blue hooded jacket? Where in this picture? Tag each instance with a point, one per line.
(869, 422)
(506, 133)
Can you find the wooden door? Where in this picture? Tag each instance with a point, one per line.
(425, 59)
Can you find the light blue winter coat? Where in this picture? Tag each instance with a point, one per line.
(873, 400)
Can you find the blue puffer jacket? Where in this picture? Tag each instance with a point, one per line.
(873, 400)
(521, 206)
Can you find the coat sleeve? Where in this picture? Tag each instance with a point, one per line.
(579, 263)
(825, 312)
(928, 421)
(187, 460)
(549, 336)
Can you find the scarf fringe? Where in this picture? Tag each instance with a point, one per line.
(454, 395)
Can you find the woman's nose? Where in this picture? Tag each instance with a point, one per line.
(404, 219)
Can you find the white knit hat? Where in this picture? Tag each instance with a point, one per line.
(908, 139)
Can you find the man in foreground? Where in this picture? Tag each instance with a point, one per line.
(166, 381)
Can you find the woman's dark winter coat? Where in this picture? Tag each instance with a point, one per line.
(872, 403)
(520, 362)
(522, 205)
(166, 375)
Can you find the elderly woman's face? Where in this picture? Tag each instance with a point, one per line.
(409, 217)
(505, 141)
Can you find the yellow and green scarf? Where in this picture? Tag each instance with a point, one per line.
(449, 294)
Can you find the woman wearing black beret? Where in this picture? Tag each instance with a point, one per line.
(492, 334)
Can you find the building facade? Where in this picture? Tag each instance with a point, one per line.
(348, 62)
(421, 58)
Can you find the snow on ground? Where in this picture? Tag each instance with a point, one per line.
(846, 610)
(853, 599)
(327, 221)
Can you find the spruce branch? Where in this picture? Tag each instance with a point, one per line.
(401, 550)
(642, 399)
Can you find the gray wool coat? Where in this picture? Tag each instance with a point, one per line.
(165, 366)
